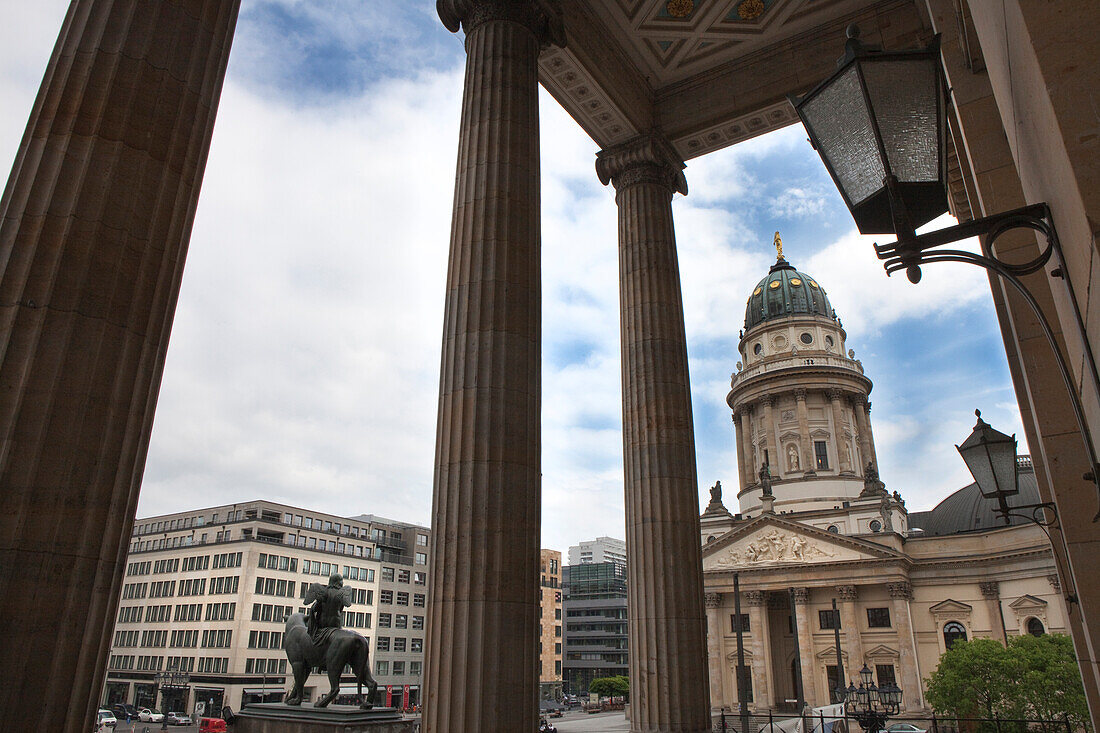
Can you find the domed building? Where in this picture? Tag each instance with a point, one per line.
(814, 523)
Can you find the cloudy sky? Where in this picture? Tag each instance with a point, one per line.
(304, 362)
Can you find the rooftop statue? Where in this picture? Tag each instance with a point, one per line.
(766, 479)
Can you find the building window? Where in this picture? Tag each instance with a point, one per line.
(421, 558)
(746, 681)
(382, 667)
(953, 632)
(744, 623)
(834, 529)
(875, 525)
(416, 645)
(758, 349)
(383, 644)
(398, 668)
(885, 674)
(828, 620)
(422, 540)
(806, 337)
(399, 644)
(1035, 627)
(833, 677)
(414, 667)
(821, 454)
(878, 618)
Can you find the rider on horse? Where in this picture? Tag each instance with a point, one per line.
(327, 612)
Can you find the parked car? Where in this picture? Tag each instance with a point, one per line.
(904, 728)
(120, 710)
(106, 717)
(147, 715)
(178, 719)
(211, 725)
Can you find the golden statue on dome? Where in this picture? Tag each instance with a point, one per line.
(778, 242)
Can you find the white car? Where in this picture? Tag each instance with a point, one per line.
(179, 719)
(145, 715)
(106, 717)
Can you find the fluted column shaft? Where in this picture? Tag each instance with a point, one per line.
(844, 459)
(863, 424)
(805, 643)
(739, 443)
(809, 463)
(715, 653)
(94, 226)
(750, 455)
(761, 649)
(667, 631)
(849, 624)
(775, 455)
(483, 606)
(901, 594)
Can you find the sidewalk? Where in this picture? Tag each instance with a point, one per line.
(583, 722)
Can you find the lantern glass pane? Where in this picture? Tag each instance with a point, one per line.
(980, 463)
(1004, 466)
(841, 125)
(904, 95)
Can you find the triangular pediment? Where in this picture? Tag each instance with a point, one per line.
(1027, 602)
(951, 607)
(769, 540)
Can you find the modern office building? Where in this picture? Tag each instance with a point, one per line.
(595, 642)
(206, 594)
(601, 549)
(550, 627)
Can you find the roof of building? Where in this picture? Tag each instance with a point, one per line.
(785, 291)
(966, 510)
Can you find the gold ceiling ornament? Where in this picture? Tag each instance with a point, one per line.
(750, 9)
(680, 8)
(778, 242)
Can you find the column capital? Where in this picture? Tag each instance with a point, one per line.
(802, 596)
(800, 394)
(648, 158)
(756, 597)
(847, 592)
(542, 17)
(990, 589)
(712, 600)
(767, 400)
(900, 591)
(834, 395)
(860, 401)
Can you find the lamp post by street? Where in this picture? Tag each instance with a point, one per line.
(871, 706)
(880, 125)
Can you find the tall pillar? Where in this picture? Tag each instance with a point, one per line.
(667, 631)
(991, 592)
(863, 424)
(775, 455)
(714, 648)
(901, 593)
(805, 643)
(742, 470)
(844, 456)
(849, 624)
(808, 462)
(94, 227)
(761, 649)
(483, 609)
(750, 454)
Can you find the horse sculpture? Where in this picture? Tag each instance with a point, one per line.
(343, 648)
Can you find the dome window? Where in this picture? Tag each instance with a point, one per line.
(829, 341)
(806, 338)
(756, 292)
(876, 526)
(834, 529)
(813, 285)
(774, 285)
(795, 281)
(758, 349)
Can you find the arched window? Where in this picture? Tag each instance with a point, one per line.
(710, 539)
(1035, 627)
(953, 631)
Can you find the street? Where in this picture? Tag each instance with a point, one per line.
(576, 721)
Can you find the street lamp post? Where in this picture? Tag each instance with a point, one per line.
(880, 125)
(871, 706)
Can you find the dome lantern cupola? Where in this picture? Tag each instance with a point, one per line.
(785, 291)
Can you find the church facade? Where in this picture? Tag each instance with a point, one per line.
(814, 525)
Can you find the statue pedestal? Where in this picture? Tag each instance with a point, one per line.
(280, 718)
(767, 504)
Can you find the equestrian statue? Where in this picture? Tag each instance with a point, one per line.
(318, 639)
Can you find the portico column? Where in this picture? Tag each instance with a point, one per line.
(94, 227)
(761, 649)
(863, 423)
(902, 593)
(714, 648)
(805, 643)
(808, 462)
(849, 624)
(991, 592)
(844, 458)
(775, 456)
(667, 631)
(483, 608)
(750, 454)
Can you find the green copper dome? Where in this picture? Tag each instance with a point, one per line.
(786, 292)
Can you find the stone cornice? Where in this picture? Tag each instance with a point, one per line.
(645, 159)
(542, 17)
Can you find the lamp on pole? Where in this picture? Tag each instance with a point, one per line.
(871, 706)
(880, 125)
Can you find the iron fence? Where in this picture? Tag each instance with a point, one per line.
(819, 722)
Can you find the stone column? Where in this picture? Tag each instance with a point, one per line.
(844, 458)
(991, 592)
(484, 605)
(775, 455)
(902, 593)
(750, 454)
(94, 227)
(805, 643)
(743, 474)
(849, 624)
(667, 631)
(808, 460)
(761, 649)
(714, 648)
(863, 424)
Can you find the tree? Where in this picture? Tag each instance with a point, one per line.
(1033, 678)
(617, 686)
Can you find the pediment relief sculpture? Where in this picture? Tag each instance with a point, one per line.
(773, 546)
